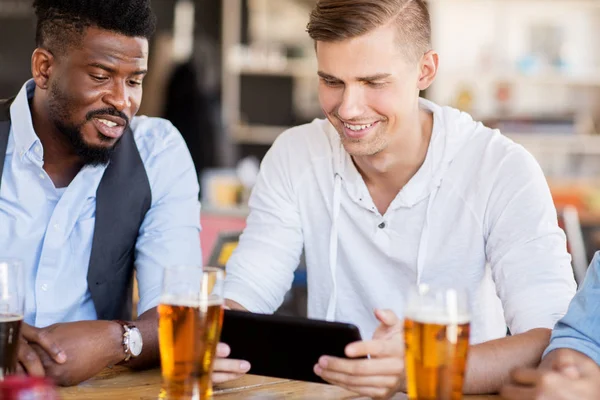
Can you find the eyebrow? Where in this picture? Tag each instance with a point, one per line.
(370, 78)
(112, 70)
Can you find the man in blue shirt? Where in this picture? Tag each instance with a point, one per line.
(570, 368)
(89, 193)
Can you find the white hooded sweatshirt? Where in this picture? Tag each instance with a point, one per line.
(478, 214)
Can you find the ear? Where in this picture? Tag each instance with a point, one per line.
(428, 69)
(42, 63)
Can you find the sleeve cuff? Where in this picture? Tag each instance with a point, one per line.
(246, 297)
(148, 302)
(579, 345)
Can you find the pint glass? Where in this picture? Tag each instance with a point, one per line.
(436, 334)
(12, 298)
(190, 316)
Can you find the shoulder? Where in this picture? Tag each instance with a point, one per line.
(489, 154)
(164, 154)
(154, 135)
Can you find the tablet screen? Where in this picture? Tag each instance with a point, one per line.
(284, 347)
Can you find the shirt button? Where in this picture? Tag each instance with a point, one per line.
(42, 176)
(56, 227)
(381, 225)
(38, 149)
(45, 287)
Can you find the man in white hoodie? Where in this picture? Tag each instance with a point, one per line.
(391, 191)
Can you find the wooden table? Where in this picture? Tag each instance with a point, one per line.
(123, 384)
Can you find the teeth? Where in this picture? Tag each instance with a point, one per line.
(357, 127)
(106, 122)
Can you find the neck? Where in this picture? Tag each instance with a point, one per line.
(399, 162)
(61, 162)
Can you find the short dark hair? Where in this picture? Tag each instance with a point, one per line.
(61, 23)
(336, 20)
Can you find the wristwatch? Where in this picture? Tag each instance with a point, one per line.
(132, 340)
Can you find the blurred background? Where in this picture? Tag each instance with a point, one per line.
(234, 74)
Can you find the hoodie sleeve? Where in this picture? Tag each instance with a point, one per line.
(261, 269)
(525, 247)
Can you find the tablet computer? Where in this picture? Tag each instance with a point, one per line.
(283, 346)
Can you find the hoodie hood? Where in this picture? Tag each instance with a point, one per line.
(451, 130)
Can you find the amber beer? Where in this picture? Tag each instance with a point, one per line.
(10, 328)
(188, 337)
(436, 353)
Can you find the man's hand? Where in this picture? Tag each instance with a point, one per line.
(568, 375)
(225, 369)
(89, 347)
(379, 376)
(29, 360)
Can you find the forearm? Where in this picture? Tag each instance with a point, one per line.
(147, 323)
(234, 305)
(490, 363)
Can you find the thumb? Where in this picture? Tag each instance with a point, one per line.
(387, 317)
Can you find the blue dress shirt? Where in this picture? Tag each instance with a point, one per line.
(579, 329)
(50, 229)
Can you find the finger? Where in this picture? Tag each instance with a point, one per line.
(20, 370)
(30, 361)
(231, 366)
(513, 392)
(525, 376)
(375, 348)
(220, 377)
(223, 350)
(387, 317)
(571, 372)
(341, 379)
(366, 367)
(44, 339)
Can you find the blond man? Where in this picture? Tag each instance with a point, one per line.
(391, 190)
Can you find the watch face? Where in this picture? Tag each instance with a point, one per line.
(135, 342)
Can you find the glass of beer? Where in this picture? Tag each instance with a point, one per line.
(12, 301)
(190, 317)
(436, 334)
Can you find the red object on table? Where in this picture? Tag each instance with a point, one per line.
(21, 387)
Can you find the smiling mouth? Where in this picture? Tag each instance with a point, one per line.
(107, 128)
(358, 128)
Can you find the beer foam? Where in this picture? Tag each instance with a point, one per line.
(437, 317)
(183, 302)
(10, 317)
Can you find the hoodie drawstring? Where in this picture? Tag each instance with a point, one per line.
(333, 246)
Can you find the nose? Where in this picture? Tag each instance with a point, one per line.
(119, 96)
(352, 104)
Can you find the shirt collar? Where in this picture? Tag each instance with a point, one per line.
(22, 125)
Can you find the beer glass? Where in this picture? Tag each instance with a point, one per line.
(190, 317)
(436, 334)
(12, 301)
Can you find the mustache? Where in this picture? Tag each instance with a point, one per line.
(107, 111)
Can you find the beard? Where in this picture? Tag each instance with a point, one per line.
(59, 105)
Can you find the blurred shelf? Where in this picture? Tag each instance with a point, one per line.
(295, 68)
(570, 144)
(257, 134)
(541, 79)
(541, 3)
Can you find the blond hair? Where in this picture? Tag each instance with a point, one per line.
(336, 20)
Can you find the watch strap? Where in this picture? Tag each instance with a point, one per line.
(127, 326)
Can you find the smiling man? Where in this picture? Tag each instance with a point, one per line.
(89, 192)
(392, 190)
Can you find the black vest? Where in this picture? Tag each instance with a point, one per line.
(122, 199)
